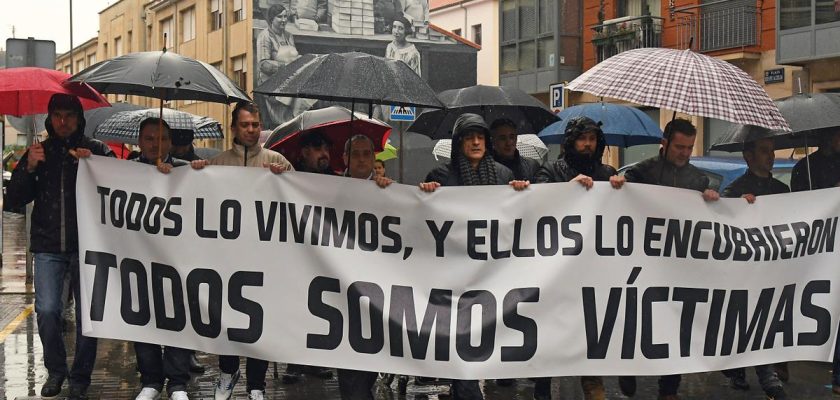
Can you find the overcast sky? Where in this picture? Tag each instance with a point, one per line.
(50, 20)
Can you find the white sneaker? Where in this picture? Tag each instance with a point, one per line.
(256, 395)
(224, 387)
(179, 395)
(148, 394)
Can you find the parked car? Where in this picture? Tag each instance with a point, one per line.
(723, 170)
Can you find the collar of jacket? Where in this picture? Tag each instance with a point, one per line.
(670, 164)
(239, 149)
(144, 160)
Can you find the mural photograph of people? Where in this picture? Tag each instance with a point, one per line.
(400, 48)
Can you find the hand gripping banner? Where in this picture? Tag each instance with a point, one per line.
(470, 282)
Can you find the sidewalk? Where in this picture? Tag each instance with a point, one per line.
(115, 377)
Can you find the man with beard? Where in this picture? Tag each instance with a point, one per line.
(504, 150)
(757, 181)
(46, 174)
(670, 168)
(470, 164)
(583, 149)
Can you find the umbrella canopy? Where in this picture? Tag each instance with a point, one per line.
(529, 146)
(124, 126)
(491, 102)
(623, 126)
(27, 90)
(336, 123)
(683, 81)
(95, 117)
(389, 153)
(737, 135)
(811, 111)
(351, 77)
(162, 75)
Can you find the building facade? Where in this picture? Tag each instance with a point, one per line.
(478, 22)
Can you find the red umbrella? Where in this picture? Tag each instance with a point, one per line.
(336, 124)
(120, 149)
(27, 90)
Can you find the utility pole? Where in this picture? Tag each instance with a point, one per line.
(72, 61)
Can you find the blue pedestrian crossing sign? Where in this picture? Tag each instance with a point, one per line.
(401, 113)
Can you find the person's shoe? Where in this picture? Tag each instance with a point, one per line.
(627, 384)
(77, 393)
(668, 397)
(739, 383)
(290, 378)
(148, 394)
(52, 387)
(256, 395)
(224, 387)
(782, 371)
(776, 393)
(195, 366)
(179, 395)
(505, 382)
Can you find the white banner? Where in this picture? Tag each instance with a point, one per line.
(473, 282)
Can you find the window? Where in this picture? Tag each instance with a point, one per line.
(546, 16)
(508, 20)
(218, 66)
(118, 47)
(457, 32)
(92, 59)
(215, 15)
(105, 50)
(828, 11)
(240, 72)
(166, 32)
(476, 34)
(527, 19)
(238, 10)
(528, 41)
(545, 52)
(509, 59)
(80, 65)
(188, 24)
(128, 43)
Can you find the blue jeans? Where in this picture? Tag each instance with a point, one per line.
(158, 363)
(254, 370)
(50, 270)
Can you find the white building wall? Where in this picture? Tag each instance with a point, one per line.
(464, 16)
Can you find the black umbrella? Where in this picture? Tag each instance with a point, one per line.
(737, 135)
(351, 77)
(491, 102)
(162, 75)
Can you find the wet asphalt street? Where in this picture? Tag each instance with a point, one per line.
(115, 377)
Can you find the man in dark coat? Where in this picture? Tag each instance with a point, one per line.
(670, 168)
(182, 145)
(583, 148)
(46, 174)
(757, 181)
(824, 166)
(505, 137)
(470, 164)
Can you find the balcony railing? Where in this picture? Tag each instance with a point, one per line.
(719, 25)
(625, 34)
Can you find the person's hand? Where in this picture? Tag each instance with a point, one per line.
(711, 195)
(35, 156)
(749, 197)
(429, 187)
(198, 164)
(275, 168)
(617, 181)
(584, 180)
(164, 167)
(383, 181)
(80, 152)
(519, 185)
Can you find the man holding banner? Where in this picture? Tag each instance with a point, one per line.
(670, 168)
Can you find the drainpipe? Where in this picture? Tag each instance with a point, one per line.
(464, 31)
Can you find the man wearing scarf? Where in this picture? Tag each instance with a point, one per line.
(580, 162)
(471, 163)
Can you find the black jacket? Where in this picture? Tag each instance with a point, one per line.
(523, 168)
(750, 183)
(189, 155)
(175, 162)
(825, 172)
(53, 188)
(561, 171)
(447, 176)
(657, 171)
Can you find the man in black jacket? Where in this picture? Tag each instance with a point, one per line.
(670, 168)
(824, 168)
(470, 164)
(505, 137)
(583, 148)
(47, 175)
(757, 181)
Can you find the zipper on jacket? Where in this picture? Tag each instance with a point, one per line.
(62, 228)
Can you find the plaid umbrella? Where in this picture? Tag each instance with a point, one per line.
(684, 81)
(124, 126)
(529, 146)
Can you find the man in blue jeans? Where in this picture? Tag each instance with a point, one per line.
(47, 175)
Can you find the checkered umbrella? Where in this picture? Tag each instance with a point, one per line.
(683, 81)
(529, 146)
(124, 126)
